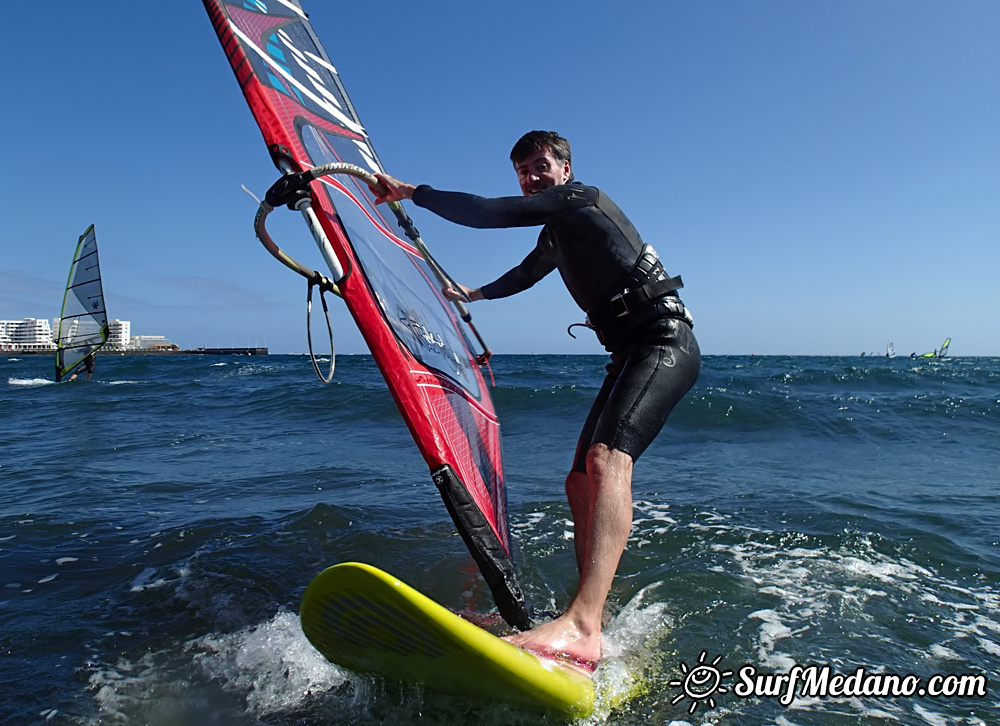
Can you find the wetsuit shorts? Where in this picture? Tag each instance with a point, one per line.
(645, 381)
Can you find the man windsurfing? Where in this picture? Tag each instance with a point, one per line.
(633, 306)
(89, 364)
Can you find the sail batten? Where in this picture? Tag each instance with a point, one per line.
(83, 320)
(418, 342)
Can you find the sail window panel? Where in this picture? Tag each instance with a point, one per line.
(399, 277)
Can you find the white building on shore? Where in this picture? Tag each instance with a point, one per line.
(119, 334)
(28, 335)
(33, 335)
(150, 342)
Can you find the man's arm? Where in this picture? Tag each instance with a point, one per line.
(470, 210)
(532, 269)
(498, 212)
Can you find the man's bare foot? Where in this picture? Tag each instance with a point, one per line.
(562, 639)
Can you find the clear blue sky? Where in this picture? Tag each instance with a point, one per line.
(825, 175)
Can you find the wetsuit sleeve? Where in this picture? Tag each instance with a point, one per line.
(470, 210)
(532, 269)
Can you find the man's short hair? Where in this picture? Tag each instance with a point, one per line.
(535, 141)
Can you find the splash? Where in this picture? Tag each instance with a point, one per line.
(631, 661)
(263, 670)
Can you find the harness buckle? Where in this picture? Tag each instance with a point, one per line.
(619, 308)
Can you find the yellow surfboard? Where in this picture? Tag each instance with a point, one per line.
(366, 620)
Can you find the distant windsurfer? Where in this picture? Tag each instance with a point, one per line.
(89, 363)
(633, 306)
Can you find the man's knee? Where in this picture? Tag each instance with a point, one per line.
(606, 459)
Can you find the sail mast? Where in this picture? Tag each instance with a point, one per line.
(415, 335)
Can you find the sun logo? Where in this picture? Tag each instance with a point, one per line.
(700, 683)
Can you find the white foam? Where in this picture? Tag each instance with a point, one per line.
(943, 652)
(934, 719)
(932, 598)
(272, 663)
(147, 580)
(270, 667)
(991, 625)
(636, 624)
(818, 587)
(989, 646)
(630, 643)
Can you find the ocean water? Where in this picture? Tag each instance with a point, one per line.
(159, 523)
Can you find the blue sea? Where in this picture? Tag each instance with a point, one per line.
(159, 523)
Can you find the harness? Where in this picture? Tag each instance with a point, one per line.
(647, 293)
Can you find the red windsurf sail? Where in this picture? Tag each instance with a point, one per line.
(419, 344)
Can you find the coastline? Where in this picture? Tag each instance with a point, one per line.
(195, 351)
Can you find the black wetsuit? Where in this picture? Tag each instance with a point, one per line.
(654, 355)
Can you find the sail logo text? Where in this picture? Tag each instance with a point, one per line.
(822, 682)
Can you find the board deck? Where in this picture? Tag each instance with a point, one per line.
(366, 620)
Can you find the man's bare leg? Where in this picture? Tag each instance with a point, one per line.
(579, 496)
(603, 530)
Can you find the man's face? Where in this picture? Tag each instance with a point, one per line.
(540, 171)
